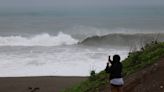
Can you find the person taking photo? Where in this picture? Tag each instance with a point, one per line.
(115, 70)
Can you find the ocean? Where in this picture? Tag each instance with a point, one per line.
(51, 42)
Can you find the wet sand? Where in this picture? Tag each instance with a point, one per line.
(37, 84)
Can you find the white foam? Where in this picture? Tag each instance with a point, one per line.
(56, 61)
(38, 40)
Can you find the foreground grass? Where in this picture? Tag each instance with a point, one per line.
(135, 61)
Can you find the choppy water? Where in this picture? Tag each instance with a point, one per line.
(41, 43)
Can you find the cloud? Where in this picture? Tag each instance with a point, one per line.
(77, 3)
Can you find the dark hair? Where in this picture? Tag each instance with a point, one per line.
(116, 58)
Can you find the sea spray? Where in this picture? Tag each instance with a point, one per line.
(39, 40)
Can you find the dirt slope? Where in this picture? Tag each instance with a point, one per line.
(149, 79)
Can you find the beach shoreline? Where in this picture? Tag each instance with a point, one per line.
(38, 83)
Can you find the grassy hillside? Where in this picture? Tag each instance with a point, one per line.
(135, 61)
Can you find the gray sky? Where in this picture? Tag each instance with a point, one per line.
(78, 3)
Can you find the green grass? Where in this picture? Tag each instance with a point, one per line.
(136, 60)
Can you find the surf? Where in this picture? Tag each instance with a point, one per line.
(122, 39)
(43, 39)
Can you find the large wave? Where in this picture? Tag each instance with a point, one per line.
(122, 39)
(38, 40)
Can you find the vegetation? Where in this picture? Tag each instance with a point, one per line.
(136, 60)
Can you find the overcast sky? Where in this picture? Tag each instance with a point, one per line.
(78, 3)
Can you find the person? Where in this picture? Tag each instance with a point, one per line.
(115, 70)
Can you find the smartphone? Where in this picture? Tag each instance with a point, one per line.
(109, 59)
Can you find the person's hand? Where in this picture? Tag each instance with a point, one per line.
(109, 59)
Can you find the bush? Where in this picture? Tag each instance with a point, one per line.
(92, 75)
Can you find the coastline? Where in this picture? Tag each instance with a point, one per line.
(38, 83)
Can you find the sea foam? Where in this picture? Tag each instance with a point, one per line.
(39, 40)
(54, 61)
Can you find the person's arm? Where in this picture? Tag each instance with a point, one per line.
(110, 60)
(107, 69)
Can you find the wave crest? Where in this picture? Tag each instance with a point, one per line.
(122, 39)
(38, 40)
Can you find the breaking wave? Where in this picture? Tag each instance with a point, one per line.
(122, 39)
(38, 40)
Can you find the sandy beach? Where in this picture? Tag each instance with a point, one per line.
(37, 84)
